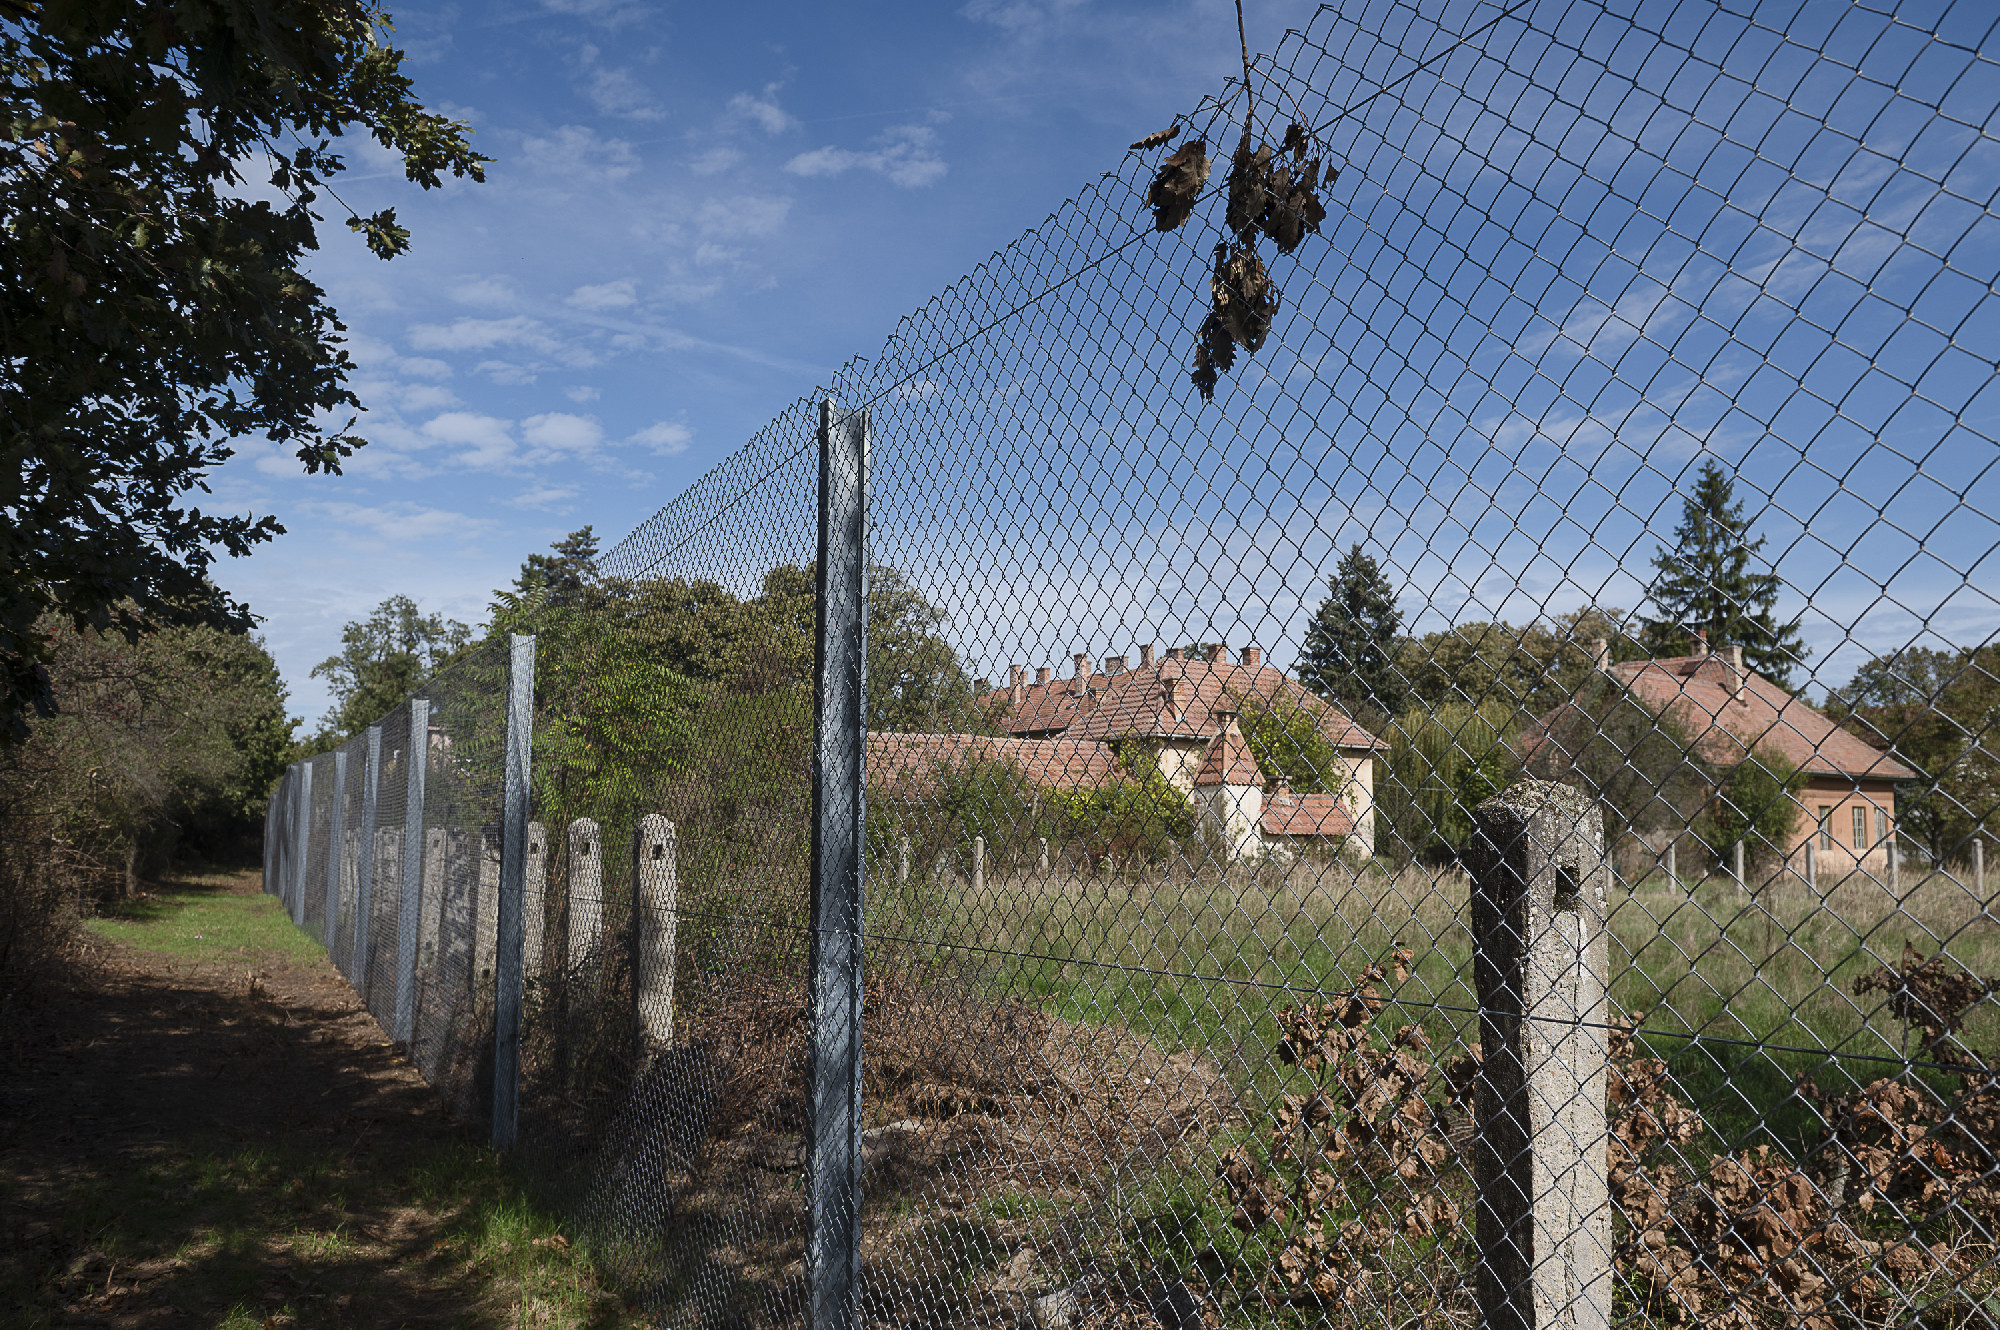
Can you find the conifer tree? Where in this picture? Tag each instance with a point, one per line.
(1707, 582)
(1350, 648)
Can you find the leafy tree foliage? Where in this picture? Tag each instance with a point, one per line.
(1706, 581)
(1350, 647)
(1939, 711)
(157, 748)
(1442, 762)
(1641, 766)
(1532, 668)
(1754, 805)
(150, 311)
(1289, 745)
(381, 661)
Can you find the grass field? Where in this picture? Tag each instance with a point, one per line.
(206, 919)
(1743, 991)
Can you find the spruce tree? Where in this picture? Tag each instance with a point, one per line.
(1706, 582)
(1350, 648)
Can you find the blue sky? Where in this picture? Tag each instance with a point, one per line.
(1710, 234)
(696, 213)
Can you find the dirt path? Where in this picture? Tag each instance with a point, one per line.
(190, 1142)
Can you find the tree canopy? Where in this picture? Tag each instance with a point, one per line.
(151, 312)
(382, 658)
(1349, 657)
(1709, 580)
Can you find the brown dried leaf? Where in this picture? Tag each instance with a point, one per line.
(1158, 137)
(1178, 184)
(1249, 187)
(1296, 139)
(1245, 301)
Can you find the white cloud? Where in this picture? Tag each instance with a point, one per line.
(481, 334)
(401, 523)
(1015, 15)
(578, 150)
(423, 367)
(616, 92)
(666, 438)
(561, 433)
(743, 216)
(555, 497)
(487, 292)
(487, 443)
(606, 295)
(714, 161)
(763, 111)
(906, 157)
(582, 392)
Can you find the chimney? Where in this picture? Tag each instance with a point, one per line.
(1700, 642)
(1043, 674)
(1600, 655)
(1146, 656)
(1253, 657)
(1082, 683)
(1174, 653)
(1016, 675)
(1218, 654)
(982, 685)
(1175, 687)
(1114, 664)
(1736, 673)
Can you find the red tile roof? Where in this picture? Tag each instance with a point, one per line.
(1229, 761)
(905, 763)
(1135, 703)
(1288, 814)
(1699, 691)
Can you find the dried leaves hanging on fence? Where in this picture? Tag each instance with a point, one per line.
(1274, 193)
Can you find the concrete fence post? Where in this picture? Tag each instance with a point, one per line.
(586, 904)
(978, 864)
(1736, 865)
(364, 886)
(535, 901)
(302, 843)
(1673, 874)
(903, 860)
(437, 881)
(1889, 854)
(1979, 870)
(410, 893)
(655, 875)
(1042, 853)
(1539, 959)
(510, 899)
(486, 909)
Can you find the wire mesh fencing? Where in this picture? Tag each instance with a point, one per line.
(1420, 748)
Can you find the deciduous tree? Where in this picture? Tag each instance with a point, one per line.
(151, 309)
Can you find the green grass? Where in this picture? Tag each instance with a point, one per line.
(203, 919)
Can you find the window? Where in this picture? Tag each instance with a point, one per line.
(1860, 827)
(1826, 826)
(1881, 824)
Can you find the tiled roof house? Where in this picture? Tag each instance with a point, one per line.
(1185, 708)
(1848, 805)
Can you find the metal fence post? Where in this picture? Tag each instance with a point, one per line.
(410, 898)
(336, 828)
(978, 864)
(1673, 875)
(840, 670)
(364, 885)
(301, 844)
(656, 877)
(1979, 871)
(1736, 865)
(1539, 961)
(508, 956)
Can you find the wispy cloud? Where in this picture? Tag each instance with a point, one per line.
(763, 110)
(904, 155)
(578, 152)
(606, 295)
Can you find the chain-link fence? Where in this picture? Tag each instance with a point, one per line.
(1421, 753)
